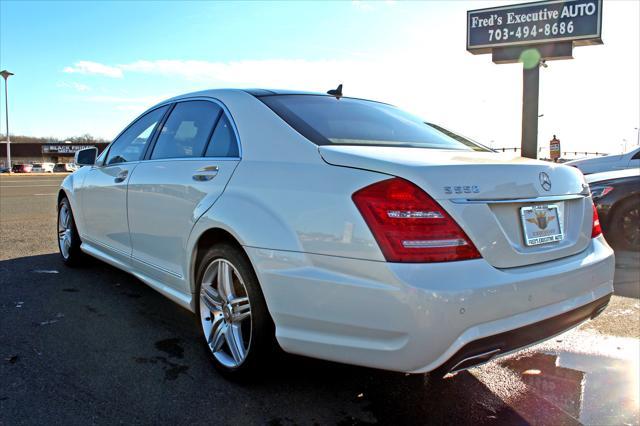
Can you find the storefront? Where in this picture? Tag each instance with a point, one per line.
(24, 152)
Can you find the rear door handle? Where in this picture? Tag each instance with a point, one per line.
(121, 176)
(209, 172)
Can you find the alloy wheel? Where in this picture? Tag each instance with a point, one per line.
(225, 313)
(64, 230)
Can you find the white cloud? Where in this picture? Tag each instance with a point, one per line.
(74, 85)
(362, 5)
(95, 68)
(281, 72)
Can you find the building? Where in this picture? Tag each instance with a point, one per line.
(33, 152)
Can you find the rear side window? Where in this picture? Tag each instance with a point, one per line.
(326, 120)
(187, 130)
(223, 141)
(131, 144)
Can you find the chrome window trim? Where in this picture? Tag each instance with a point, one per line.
(518, 200)
(224, 109)
(169, 103)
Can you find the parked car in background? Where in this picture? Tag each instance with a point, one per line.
(617, 198)
(21, 168)
(338, 228)
(607, 163)
(42, 167)
(65, 167)
(4, 169)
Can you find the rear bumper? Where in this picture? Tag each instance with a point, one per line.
(421, 317)
(483, 350)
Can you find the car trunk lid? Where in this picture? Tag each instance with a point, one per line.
(485, 193)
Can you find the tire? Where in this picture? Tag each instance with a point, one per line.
(233, 315)
(68, 237)
(625, 225)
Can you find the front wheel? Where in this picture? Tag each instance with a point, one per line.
(68, 238)
(238, 330)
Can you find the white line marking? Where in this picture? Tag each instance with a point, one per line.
(23, 186)
(27, 180)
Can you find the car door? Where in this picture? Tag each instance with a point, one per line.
(103, 195)
(188, 167)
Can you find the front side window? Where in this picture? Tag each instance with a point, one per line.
(187, 130)
(326, 120)
(223, 141)
(131, 144)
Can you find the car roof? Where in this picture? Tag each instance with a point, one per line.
(615, 174)
(258, 92)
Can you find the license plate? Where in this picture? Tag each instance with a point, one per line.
(541, 224)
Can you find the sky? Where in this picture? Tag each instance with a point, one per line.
(92, 67)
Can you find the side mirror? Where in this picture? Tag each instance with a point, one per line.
(86, 157)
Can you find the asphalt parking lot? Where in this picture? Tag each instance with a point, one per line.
(95, 345)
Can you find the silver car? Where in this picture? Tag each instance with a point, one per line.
(338, 228)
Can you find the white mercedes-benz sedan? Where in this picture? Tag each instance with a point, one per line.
(338, 228)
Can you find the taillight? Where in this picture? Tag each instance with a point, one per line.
(596, 229)
(410, 226)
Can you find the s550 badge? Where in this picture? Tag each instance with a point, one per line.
(464, 189)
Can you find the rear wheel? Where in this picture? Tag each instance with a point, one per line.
(233, 315)
(625, 225)
(68, 238)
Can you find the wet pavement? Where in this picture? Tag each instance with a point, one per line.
(95, 346)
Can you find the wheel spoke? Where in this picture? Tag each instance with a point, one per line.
(61, 220)
(225, 281)
(217, 333)
(240, 309)
(233, 337)
(210, 299)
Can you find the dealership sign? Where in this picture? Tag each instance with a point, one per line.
(63, 148)
(579, 21)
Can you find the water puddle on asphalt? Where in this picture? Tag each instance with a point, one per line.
(592, 378)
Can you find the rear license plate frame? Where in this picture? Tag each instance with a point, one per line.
(540, 217)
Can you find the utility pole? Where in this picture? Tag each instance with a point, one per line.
(530, 93)
(6, 74)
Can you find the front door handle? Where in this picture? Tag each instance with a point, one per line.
(121, 176)
(209, 172)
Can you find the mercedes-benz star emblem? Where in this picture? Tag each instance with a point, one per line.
(545, 181)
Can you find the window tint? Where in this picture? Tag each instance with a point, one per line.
(187, 130)
(326, 120)
(130, 145)
(636, 156)
(223, 142)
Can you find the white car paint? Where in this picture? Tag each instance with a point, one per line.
(42, 168)
(616, 174)
(629, 160)
(327, 285)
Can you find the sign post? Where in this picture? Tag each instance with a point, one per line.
(533, 33)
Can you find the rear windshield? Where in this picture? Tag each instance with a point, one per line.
(327, 120)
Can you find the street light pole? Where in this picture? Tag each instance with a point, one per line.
(6, 74)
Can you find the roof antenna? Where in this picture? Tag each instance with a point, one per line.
(336, 92)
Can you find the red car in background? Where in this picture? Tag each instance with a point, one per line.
(22, 168)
